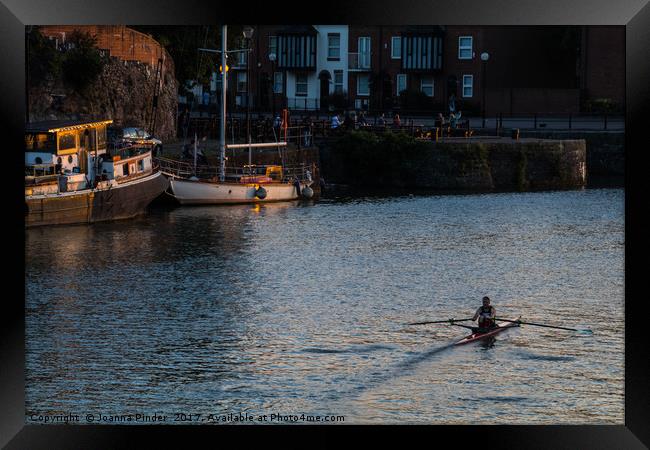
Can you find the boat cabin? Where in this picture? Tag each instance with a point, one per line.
(262, 174)
(69, 155)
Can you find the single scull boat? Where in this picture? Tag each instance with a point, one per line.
(477, 336)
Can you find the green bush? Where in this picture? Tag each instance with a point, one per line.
(602, 105)
(82, 64)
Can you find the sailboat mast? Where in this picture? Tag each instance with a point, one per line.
(222, 124)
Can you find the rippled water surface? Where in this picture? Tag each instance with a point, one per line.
(301, 308)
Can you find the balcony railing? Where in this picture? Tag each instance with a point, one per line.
(358, 61)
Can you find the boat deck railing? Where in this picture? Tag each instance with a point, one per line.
(183, 169)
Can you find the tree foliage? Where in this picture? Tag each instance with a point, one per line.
(183, 43)
(43, 60)
(78, 65)
(82, 63)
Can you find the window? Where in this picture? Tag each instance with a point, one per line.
(396, 47)
(364, 52)
(338, 81)
(101, 137)
(468, 85)
(273, 46)
(67, 142)
(301, 85)
(241, 58)
(401, 82)
(363, 87)
(465, 47)
(426, 85)
(241, 81)
(40, 142)
(278, 83)
(334, 46)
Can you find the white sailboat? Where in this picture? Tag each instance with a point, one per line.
(250, 184)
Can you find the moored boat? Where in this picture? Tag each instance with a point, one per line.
(229, 185)
(73, 177)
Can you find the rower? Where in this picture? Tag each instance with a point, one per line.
(485, 315)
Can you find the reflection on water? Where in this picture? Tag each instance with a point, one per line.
(300, 308)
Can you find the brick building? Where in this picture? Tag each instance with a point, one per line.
(419, 68)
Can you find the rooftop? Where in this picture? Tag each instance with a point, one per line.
(52, 126)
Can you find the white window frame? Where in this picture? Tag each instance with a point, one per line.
(469, 85)
(336, 84)
(465, 47)
(404, 77)
(330, 47)
(364, 57)
(278, 82)
(422, 85)
(359, 77)
(306, 83)
(397, 47)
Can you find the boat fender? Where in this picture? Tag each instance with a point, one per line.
(260, 193)
(307, 192)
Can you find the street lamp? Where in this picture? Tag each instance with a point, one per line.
(484, 57)
(248, 35)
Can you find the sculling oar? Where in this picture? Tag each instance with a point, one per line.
(441, 321)
(584, 330)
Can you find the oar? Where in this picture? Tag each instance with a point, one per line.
(585, 330)
(441, 321)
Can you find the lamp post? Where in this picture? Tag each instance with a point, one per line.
(248, 34)
(484, 57)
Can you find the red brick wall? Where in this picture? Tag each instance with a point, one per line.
(604, 63)
(532, 100)
(121, 42)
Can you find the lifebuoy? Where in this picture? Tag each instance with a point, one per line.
(260, 193)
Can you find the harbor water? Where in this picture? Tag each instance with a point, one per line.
(301, 308)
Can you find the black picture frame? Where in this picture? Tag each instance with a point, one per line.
(634, 15)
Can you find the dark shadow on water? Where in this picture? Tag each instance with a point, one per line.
(353, 349)
(535, 357)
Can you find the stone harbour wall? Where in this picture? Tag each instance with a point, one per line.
(479, 164)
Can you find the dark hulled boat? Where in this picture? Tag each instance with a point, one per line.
(72, 176)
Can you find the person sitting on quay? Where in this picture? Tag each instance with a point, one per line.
(441, 122)
(397, 122)
(348, 123)
(336, 123)
(362, 120)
